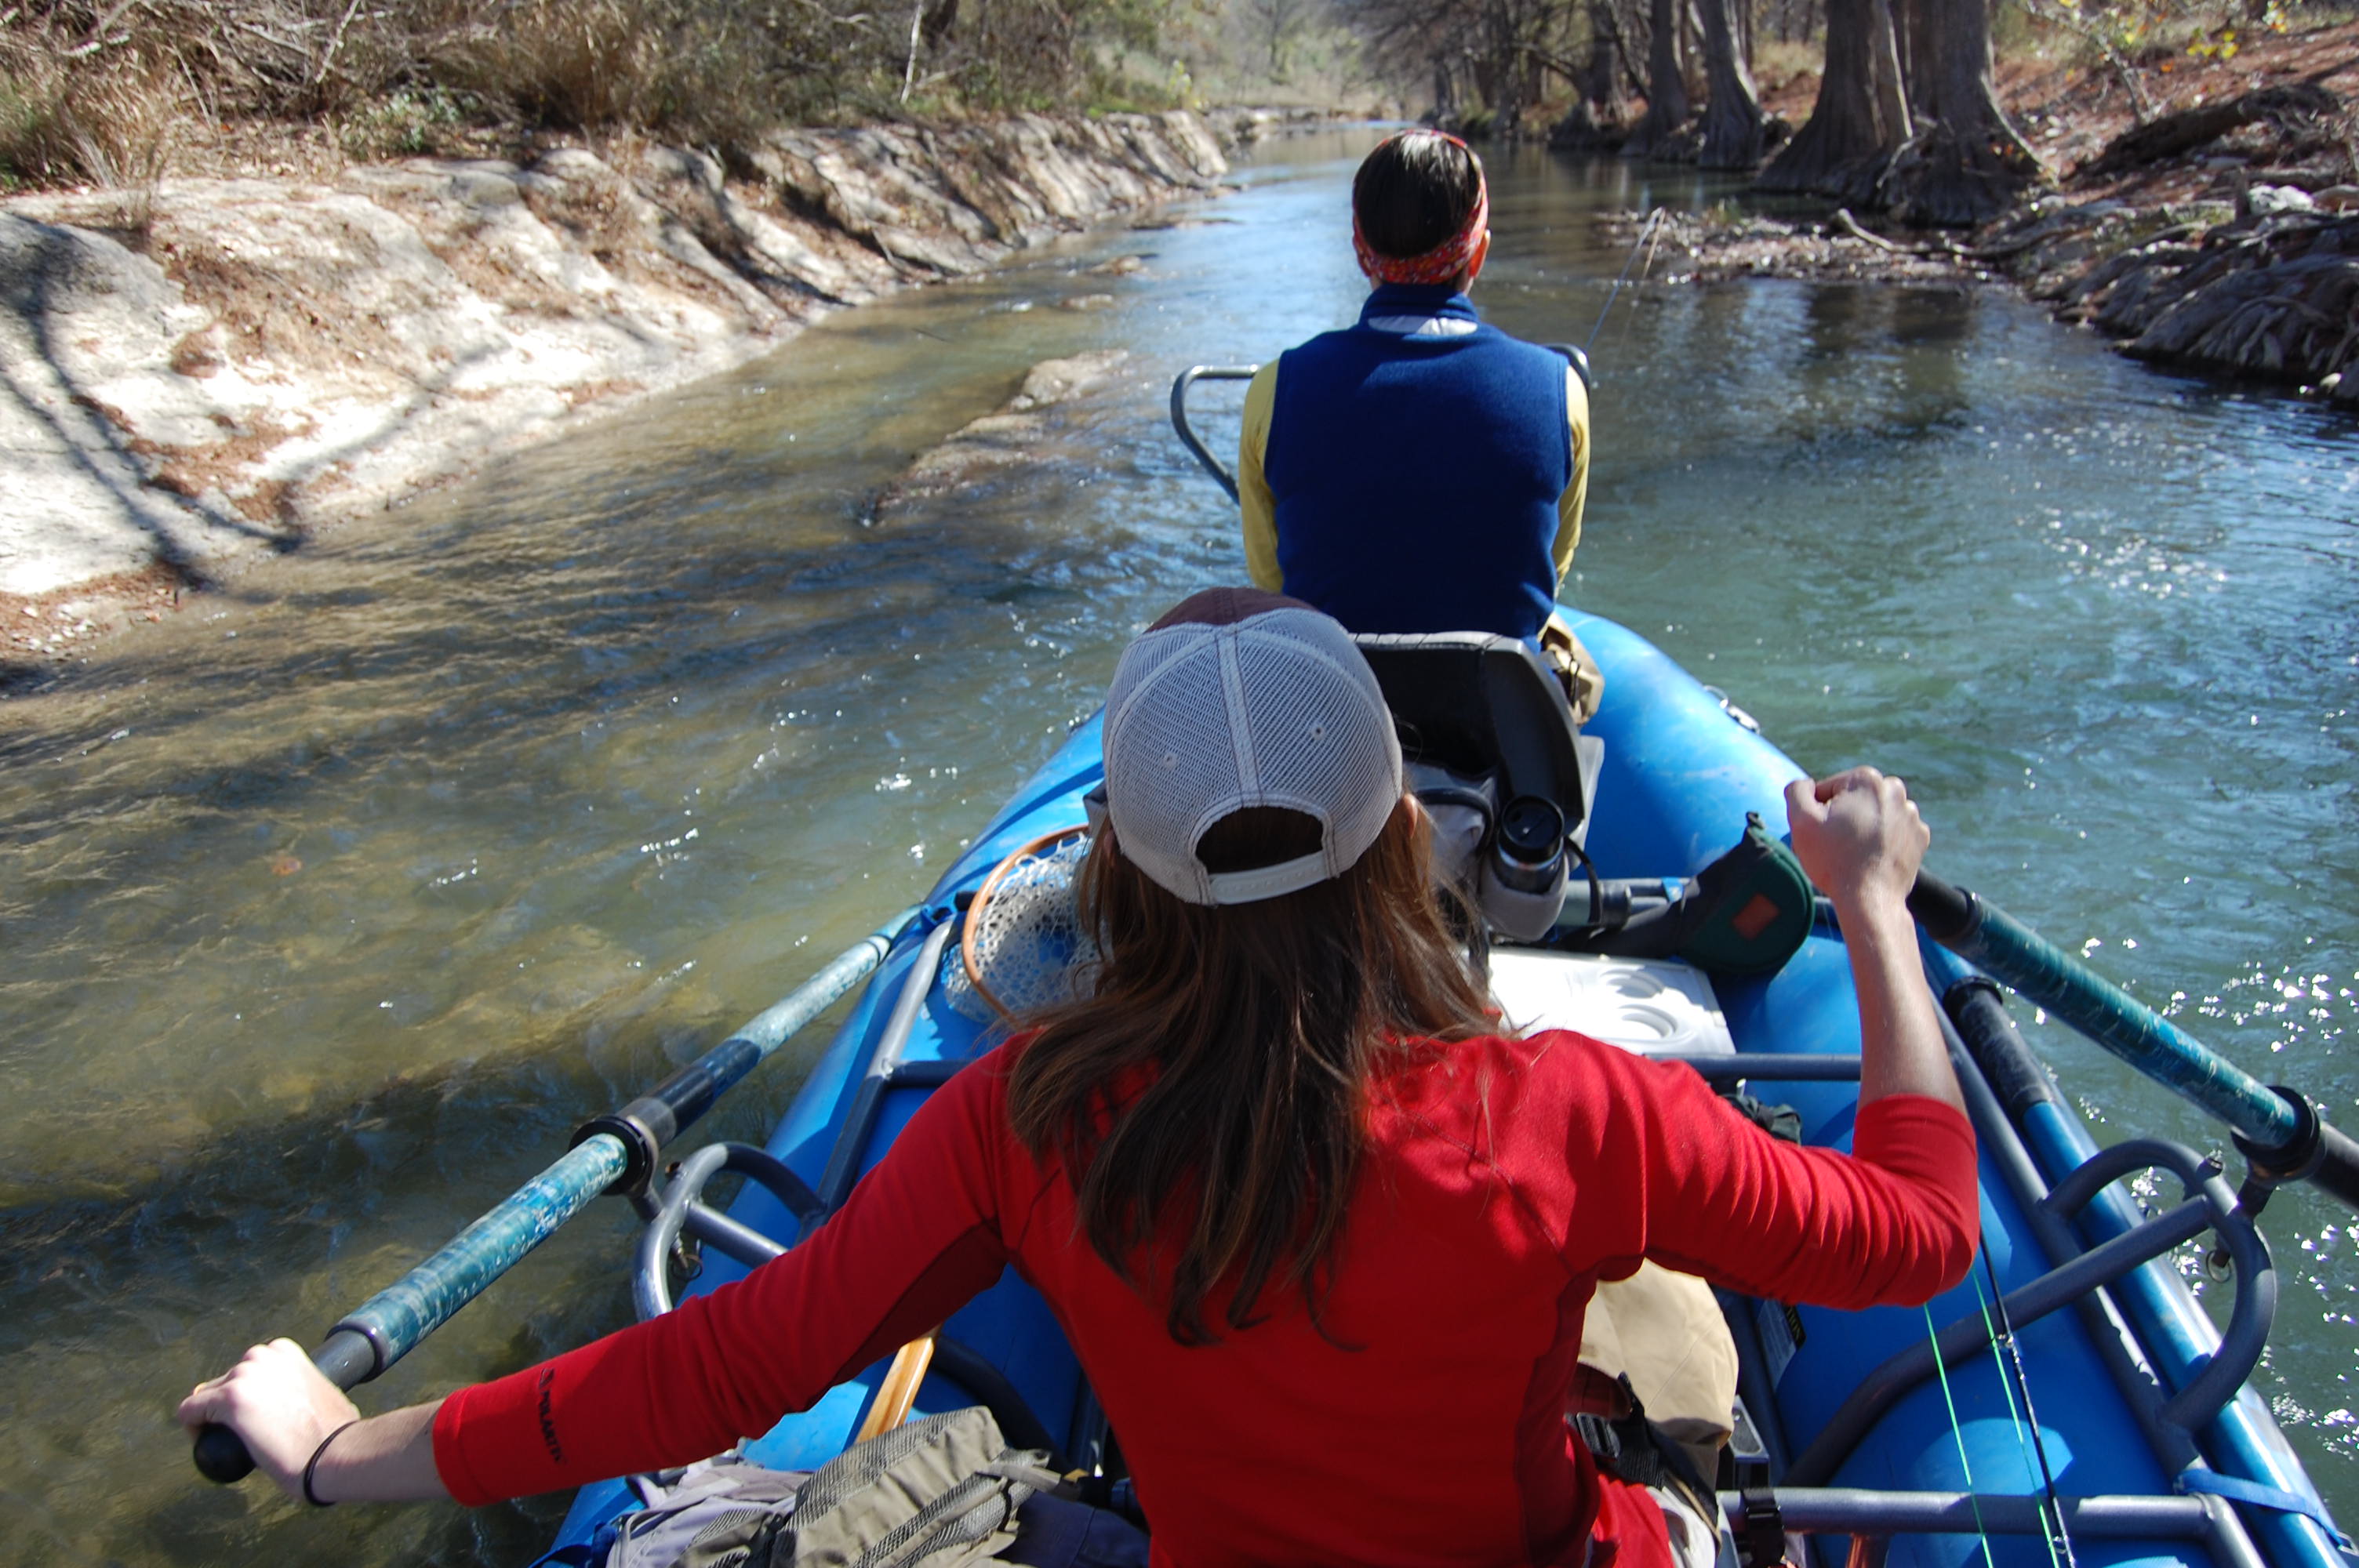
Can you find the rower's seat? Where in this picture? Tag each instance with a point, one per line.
(1487, 712)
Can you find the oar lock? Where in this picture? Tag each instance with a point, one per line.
(647, 1123)
(2266, 1169)
(642, 1127)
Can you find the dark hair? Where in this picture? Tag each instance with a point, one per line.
(1208, 1103)
(1414, 192)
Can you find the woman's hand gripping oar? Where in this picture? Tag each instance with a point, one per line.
(1859, 837)
(301, 1431)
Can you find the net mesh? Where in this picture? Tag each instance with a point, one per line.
(1024, 949)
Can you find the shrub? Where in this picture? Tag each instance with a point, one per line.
(111, 124)
(90, 89)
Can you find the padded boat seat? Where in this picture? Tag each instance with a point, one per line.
(1479, 704)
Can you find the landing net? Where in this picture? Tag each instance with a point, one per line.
(1024, 949)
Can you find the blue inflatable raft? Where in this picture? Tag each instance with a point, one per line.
(2069, 1403)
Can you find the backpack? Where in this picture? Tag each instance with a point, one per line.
(942, 1491)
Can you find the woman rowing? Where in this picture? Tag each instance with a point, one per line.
(1320, 1238)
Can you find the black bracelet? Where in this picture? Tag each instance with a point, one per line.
(310, 1497)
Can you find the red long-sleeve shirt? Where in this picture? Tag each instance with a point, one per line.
(1506, 1178)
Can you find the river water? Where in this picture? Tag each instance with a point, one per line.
(331, 906)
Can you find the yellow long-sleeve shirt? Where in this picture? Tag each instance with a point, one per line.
(1259, 507)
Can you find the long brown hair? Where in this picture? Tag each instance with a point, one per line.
(1212, 1094)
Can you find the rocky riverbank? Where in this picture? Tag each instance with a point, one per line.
(2216, 229)
(218, 368)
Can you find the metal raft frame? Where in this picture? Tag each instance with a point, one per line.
(678, 1209)
(2254, 1508)
(2203, 1399)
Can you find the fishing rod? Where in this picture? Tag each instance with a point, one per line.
(2279, 1129)
(1647, 230)
(615, 1152)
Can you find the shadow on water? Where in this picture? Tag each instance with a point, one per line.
(285, 1225)
(332, 905)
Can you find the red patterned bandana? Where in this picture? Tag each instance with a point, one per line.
(1446, 260)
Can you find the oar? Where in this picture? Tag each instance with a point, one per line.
(2278, 1129)
(615, 1152)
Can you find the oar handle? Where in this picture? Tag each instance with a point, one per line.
(2277, 1129)
(347, 1357)
(1948, 912)
(221, 1454)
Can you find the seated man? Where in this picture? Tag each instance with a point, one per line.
(1421, 471)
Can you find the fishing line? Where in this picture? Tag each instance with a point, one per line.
(1649, 230)
(1958, 1431)
(2051, 1514)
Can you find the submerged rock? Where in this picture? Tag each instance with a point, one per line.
(1003, 439)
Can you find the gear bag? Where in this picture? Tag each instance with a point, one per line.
(942, 1492)
(1746, 914)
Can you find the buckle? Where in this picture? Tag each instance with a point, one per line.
(1761, 1542)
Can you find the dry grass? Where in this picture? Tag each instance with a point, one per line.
(112, 93)
(112, 127)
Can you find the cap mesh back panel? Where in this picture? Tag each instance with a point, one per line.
(1313, 736)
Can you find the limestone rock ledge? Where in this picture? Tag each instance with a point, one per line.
(273, 353)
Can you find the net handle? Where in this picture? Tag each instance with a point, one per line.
(982, 900)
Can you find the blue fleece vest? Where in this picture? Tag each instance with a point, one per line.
(1416, 478)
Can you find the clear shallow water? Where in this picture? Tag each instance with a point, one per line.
(423, 846)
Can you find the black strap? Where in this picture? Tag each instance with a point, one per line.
(1761, 1543)
(1603, 1439)
(1782, 1122)
(1635, 1451)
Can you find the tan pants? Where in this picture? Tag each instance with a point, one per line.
(1665, 1332)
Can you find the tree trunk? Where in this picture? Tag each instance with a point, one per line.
(1600, 115)
(1632, 41)
(1602, 84)
(1913, 22)
(1861, 118)
(1889, 78)
(1509, 73)
(1690, 49)
(1733, 125)
(1666, 88)
(1970, 163)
